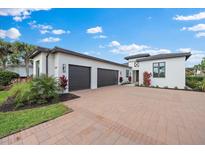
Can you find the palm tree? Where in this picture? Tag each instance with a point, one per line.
(5, 51)
(203, 65)
(24, 51)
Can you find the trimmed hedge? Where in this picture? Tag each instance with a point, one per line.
(6, 77)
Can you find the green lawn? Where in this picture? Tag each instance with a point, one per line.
(11, 122)
(5, 94)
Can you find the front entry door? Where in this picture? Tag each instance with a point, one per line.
(137, 75)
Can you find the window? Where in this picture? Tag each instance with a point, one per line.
(64, 68)
(37, 68)
(127, 73)
(159, 70)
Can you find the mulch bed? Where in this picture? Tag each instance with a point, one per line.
(9, 104)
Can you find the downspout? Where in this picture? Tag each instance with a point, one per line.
(47, 63)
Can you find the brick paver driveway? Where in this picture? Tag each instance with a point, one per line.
(124, 115)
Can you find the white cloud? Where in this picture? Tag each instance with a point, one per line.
(11, 33)
(50, 40)
(94, 30)
(59, 31)
(199, 27)
(134, 48)
(44, 29)
(100, 37)
(114, 44)
(20, 18)
(198, 16)
(196, 56)
(184, 50)
(200, 34)
(18, 14)
(86, 53)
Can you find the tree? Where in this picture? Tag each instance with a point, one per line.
(203, 65)
(5, 51)
(24, 51)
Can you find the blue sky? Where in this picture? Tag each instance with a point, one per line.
(109, 33)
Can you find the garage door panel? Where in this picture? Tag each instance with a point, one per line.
(79, 77)
(107, 77)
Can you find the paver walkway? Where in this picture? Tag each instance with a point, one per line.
(124, 115)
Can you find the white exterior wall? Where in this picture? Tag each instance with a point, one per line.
(174, 72)
(93, 64)
(56, 61)
(42, 59)
(20, 70)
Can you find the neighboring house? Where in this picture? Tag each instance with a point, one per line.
(84, 71)
(198, 72)
(168, 70)
(20, 69)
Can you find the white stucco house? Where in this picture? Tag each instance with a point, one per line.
(82, 71)
(20, 69)
(88, 72)
(168, 70)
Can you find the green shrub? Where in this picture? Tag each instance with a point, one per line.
(37, 91)
(6, 77)
(175, 87)
(44, 89)
(166, 87)
(195, 78)
(157, 86)
(202, 85)
(195, 82)
(1, 88)
(22, 94)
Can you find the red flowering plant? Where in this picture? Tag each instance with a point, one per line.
(63, 82)
(146, 79)
(121, 79)
(129, 78)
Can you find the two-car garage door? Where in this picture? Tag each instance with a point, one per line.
(80, 77)
(107, 77)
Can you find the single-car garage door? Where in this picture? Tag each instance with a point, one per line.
(79, 77)
(107, 77)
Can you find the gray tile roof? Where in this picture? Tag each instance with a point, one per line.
(137, 56)
(165, 56)
(58, 49)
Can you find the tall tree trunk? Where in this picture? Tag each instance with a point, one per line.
(4, 65)
(27, 67)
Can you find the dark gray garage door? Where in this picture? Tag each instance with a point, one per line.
(79, 77)
(107, 77)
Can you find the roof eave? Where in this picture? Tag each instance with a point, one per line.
(186, 55)
(38, 51)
